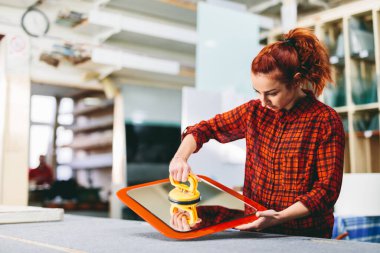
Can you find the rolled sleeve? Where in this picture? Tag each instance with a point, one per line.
(225, 127)
(329, 167)
(192, 130)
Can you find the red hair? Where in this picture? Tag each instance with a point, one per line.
(298, 59)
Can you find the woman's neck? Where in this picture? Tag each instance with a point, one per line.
(299, 95)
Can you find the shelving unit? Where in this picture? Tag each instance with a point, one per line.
(351, 34)
(92, 142)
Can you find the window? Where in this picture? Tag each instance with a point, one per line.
(41, 127)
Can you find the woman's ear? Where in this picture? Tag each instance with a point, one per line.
(297, 78)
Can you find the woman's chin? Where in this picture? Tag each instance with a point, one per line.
(272, 108)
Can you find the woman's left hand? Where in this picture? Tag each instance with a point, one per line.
(266, 219)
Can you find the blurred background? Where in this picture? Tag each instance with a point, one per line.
(94, 94)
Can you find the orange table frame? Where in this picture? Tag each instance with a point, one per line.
(168, 231)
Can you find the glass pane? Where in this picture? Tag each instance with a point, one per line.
(366, 141)
(66, 105)
(43, 109)
(40, 138)
(64, 172)
(64, 155)
(332, 35)
(215, 205)
(362, 58)
(64, 136)
(65, 119)
(364, 83)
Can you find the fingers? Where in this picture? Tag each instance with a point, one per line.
(185, 174)
(184, 224)
(179, 221)
(247, 226)
(179, 169)
(265, 219)
(257, 225)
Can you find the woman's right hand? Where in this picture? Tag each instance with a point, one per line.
(179, 169)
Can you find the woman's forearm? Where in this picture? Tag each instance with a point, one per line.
(295, 211)
(187, 147)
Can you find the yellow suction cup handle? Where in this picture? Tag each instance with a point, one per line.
(191, 210)
(193, 184)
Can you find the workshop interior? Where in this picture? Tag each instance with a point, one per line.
(95, 94)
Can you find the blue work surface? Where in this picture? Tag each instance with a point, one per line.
(358, 228)
(84, 234)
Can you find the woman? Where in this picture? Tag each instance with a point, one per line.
(294, 143)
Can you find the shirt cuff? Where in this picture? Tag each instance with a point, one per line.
(194, 133)
(310, 203)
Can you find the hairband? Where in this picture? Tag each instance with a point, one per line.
(290, 41)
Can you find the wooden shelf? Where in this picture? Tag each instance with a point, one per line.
(99, 161)
(107, 105)
(90, 146)
(364, 56)
(351, 59)
(367, 134)
(92, 127)
(337, 61)
(371, 106)
(341, 109)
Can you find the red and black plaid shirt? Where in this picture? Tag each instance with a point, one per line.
(291, 156)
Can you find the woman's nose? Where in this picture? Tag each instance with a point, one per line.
(263, 101)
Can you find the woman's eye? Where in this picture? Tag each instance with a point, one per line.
(272, 94)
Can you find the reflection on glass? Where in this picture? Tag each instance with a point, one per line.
(216, 206)
(184, 217)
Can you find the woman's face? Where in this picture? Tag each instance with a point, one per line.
(273, 94)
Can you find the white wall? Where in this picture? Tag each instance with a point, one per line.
(2, 103)
(15, 117)
(359, 195)
(228, 40)
(221, 162)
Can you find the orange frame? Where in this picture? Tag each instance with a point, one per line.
(168, 231)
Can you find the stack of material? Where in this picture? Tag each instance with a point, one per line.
(21, 214)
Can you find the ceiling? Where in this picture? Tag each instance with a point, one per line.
(156, 8)
(185, 10)
(181, 12)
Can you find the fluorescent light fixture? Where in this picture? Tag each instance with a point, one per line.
(228, 4)
(150, 64)
(104, 18)
(159, 30)
(134, 61)
(141, 26)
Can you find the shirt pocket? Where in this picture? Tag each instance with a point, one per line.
(294, 173)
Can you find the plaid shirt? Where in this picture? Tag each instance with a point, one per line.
(291, 156)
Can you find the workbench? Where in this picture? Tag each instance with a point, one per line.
(89, 234)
